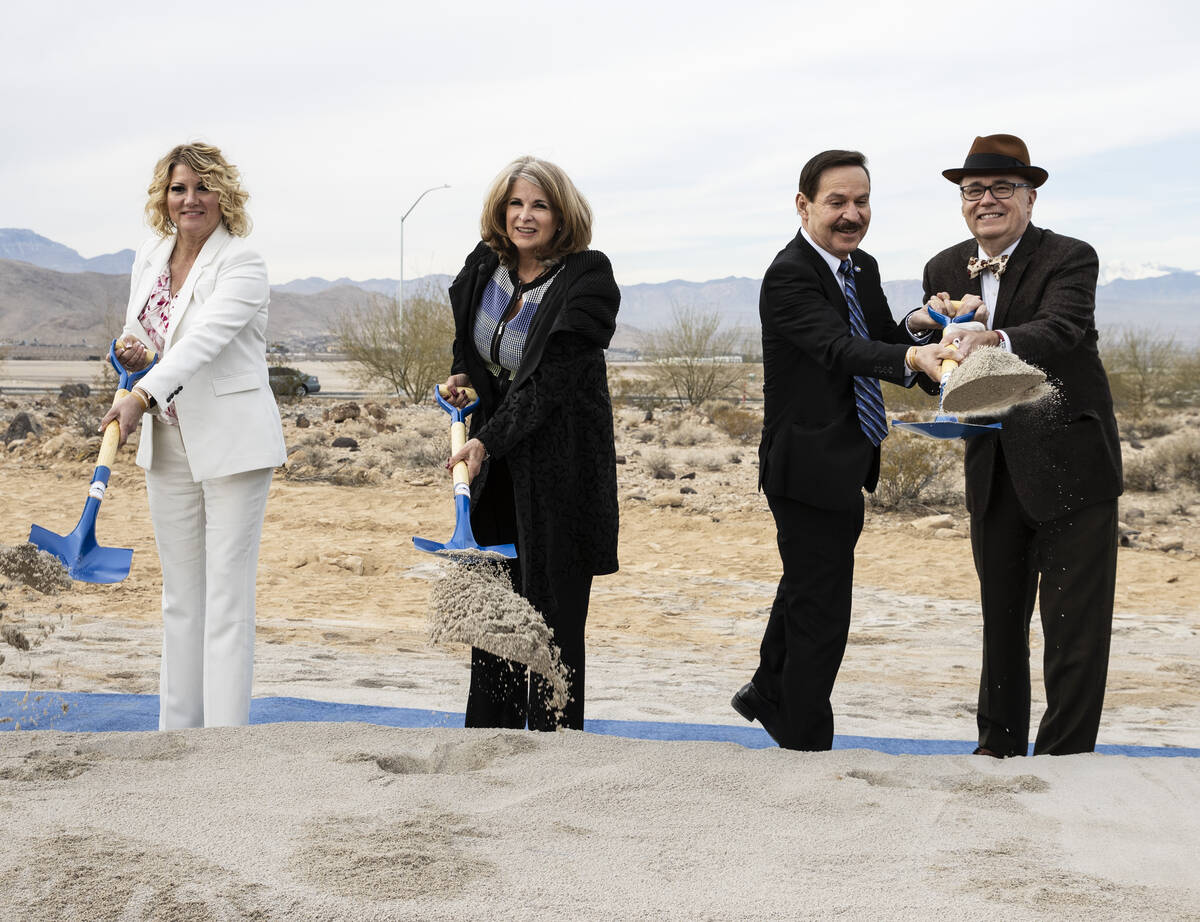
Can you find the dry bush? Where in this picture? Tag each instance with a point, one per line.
(686, 433)
(1142, 367)
(1145, 471)
(1181, 455)
(740, 424)
(911, 467)
(897, 399)
(412, 450)
(628, 418)
(658, 463)
(644, 435)
(705, 460)
(409, 350)
(690, 359)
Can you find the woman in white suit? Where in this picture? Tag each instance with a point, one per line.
(212, 436)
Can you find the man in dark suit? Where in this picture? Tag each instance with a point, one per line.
(1042, 492)
(828, 336)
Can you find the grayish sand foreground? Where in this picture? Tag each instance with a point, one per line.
(351, 822)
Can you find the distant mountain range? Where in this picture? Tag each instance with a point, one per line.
(51, 294)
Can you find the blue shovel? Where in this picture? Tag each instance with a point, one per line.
(84, 559)
(462, 544)
(945, 426)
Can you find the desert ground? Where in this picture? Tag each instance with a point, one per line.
(342, 616)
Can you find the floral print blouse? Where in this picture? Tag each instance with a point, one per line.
(155, 319)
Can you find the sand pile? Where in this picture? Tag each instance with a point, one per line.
(474, 603)
(37, 569)
(992, 380)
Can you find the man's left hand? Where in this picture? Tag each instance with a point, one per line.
(968, 340)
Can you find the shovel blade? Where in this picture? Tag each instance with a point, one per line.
(946, 428)
(86, 561)
(462, 543)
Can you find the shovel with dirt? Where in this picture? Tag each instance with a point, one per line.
(993, 381)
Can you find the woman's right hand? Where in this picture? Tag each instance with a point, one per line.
(131, 353)
(454, 395)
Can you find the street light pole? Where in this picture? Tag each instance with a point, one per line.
(402, 219)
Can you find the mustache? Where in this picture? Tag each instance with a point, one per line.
(847, 227)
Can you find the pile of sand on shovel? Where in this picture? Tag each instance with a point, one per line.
(991, 381)
(472, 601)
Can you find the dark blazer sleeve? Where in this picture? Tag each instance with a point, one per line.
(804, 313)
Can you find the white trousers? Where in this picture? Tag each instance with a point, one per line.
(208, 535)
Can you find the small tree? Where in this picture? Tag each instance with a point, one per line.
(1141, 366)
(410, 351)
(695, 358)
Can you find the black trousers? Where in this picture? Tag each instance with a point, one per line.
(503, 693)
(1068, 565)
(805, 638)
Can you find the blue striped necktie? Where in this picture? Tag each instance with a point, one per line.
(867, 394)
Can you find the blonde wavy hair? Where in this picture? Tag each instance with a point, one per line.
(572, 208)
(218, 174)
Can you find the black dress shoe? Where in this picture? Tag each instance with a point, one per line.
(748, 702)
(981, 751)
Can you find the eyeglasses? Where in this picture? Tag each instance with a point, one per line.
(974, 192)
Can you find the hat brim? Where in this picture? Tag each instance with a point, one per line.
(1035, 174)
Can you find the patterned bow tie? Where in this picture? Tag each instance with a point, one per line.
(975, 265)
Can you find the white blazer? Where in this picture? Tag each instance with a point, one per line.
(213, 365)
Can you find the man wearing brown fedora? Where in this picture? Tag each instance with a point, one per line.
(1042, 492)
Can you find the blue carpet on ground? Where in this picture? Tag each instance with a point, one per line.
(77, 711)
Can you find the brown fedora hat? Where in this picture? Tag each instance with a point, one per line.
(998, 153)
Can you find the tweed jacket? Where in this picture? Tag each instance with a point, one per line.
(1062, 454)
(553, 423)
(813, 448)
(214, 364)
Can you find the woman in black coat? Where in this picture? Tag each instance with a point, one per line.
(534, 310)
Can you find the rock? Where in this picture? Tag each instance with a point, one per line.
(667, 499)
(690, 475)
(945, 533)
(1133, 513)
(69, 391)
(375, 411)
(1170, 544)
(351, 562)
(736, 459)
(620, 459)
(635, 497)
(344, 441)
(664, 475)
(934, 522)
(302, 422)
(20, 427)
(686, 490)
(1134, 443)
(343, 412)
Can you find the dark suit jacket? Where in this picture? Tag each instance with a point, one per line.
(813, 448)
(1062, 454)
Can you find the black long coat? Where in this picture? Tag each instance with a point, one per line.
(1066, 454)
(553, 425)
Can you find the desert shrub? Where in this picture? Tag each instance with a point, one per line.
(897, 399)
(1145, 471)
(686, 432)
(644, 435)
(740, 424)
(410, 449)
(910, 466)
(1181, 455)
(704, 460)
(658, 463)
(1153, 427)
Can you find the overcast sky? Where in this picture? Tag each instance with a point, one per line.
(684, 123)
